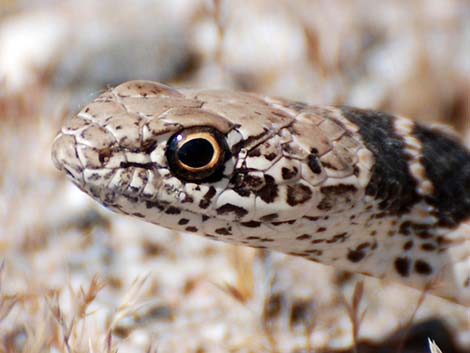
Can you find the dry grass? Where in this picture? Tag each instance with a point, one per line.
(71, 331)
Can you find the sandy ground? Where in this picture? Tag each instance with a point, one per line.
(77, 278)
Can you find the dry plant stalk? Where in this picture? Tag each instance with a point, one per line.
(355, 316)
(130, 303)
(6, 302)
(87, 297)
(242, 262)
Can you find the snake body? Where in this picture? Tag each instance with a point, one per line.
(362, 190)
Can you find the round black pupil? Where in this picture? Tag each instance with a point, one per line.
(196, 153)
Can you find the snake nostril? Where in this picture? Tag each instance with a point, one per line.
(104, 155)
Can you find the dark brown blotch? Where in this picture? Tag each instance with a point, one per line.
(183, 221)
(363, 246)
(428, 247)
(402, 266)
(314, 164)
(288, 173)
(230, 208)
(423, 231)
(251, 224)
(224, 231)
(253, 182)
(258, 246)
(267, 240)
(422, 267)
(310, 218)
(356, 255)
(269, 192)
(356, 170)
(408, 245)
(269, 217)
(271, 156)
(255, 152)
(315, 252)
(244, 183)
(297, 254)
(338, 238)
(151, 204)
(291, 221)
(341, 193)
(329, 165)
(298, 194)
(405, 228)
(172, 210)
(206, 199)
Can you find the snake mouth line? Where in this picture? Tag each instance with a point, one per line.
(148, 166)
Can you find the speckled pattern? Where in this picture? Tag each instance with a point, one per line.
(364, 191)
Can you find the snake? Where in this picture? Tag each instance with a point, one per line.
(361, 190)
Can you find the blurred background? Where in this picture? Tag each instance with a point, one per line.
(76, 278)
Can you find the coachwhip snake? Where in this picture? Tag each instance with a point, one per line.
(362, 190)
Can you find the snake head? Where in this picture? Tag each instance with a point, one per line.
(181, 157)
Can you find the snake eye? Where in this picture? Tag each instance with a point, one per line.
(196, 154)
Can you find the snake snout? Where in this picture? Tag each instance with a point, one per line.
(64, 156)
